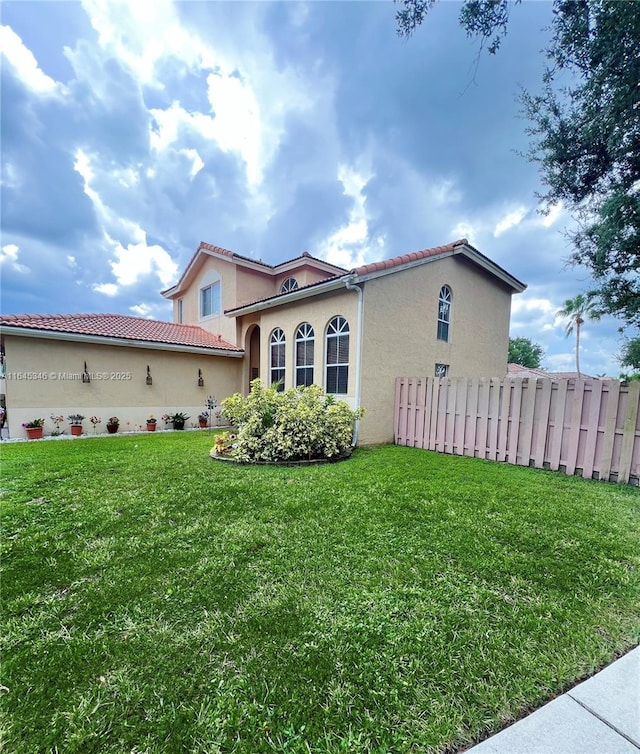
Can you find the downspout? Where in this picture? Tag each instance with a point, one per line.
(351, 286)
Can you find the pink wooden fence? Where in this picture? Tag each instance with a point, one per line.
(589, 427)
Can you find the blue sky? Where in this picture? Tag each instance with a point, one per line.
(133, 131)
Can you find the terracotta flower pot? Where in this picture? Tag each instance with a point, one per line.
(34, 433)
(112, 428)
(178, 425)
(202, 423)
(151, 426)
(76, 429)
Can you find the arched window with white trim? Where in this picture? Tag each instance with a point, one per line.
(337, 363)
(305, 342)
(444, 313)
(277, 347)
(290, 284)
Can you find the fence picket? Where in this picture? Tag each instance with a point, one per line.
(589, 459)
(526, 427)
(574, 430)
(503, 434)
(629, 432)
(514, 428)
(542, 422)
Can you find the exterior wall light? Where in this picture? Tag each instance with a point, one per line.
(149, 377)
(85, 374)
(200, 378)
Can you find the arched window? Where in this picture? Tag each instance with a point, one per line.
(444, 313)
(277, 345)
(337, 376)
(304, 354)
(290, 284)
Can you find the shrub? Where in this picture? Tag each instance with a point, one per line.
(299, 423)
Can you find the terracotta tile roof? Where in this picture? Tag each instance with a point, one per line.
(119, 326)
(387, 264)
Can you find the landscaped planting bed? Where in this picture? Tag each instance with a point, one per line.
(155, 601)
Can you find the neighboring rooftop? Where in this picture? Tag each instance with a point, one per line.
(119, 327)
(517, 370)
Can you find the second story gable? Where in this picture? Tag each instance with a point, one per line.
(217, 279)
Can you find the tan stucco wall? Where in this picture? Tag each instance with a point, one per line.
(318, 312)
(49, 387)
(220, 325)
(399, 333)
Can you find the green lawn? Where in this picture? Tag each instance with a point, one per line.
(157, 601)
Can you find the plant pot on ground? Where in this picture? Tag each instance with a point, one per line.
(34, 429)
(75, 420)
(112, 425)
(177, 419)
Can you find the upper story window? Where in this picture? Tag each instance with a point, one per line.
(290, 284)
(277, 346)
(210, 300)
(337, 374)
(305, 341)
(180, 312)
(444, 313)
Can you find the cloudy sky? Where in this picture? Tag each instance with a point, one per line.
(132, 131)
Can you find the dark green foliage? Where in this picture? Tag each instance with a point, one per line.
(155, 600)
(525, 352)
(585, 129)
(630, 357)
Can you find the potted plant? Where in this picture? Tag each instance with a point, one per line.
(95, 420)
(75, 420)
(177, 419)
(57, 421)
(203, 419)
(34, 429)
(112, 424)
(151, 423)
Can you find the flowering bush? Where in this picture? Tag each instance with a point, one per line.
(57, 421)
(299, 423)
(225, 444)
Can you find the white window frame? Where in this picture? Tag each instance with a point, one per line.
(443, 332)
(337, 328)
(290, 284)
(305, 334)
(180, 310)
(441, 370)
(278, 340)
(214, 287)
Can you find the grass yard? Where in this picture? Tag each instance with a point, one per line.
(402, 601)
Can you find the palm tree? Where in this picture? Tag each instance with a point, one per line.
(575, 310)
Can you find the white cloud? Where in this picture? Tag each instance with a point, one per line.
(137, 260)
(25, 64)
(109, 289)
(554, 213)
(9, 255)
(141, 310)
(465, 229)
(510, 220)
(350, 245)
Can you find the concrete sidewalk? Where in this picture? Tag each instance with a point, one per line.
(599, 716)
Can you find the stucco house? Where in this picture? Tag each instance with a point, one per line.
(442, 311)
